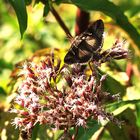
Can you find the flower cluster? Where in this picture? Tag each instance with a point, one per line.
(116, 52)
(62, 97)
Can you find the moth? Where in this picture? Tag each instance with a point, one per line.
(87, 45)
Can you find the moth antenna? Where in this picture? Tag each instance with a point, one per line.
(70, 38)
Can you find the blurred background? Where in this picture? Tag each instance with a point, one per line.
(44, 33)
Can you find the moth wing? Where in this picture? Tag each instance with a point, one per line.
(80, 54)
(94, 35)
(85, 45)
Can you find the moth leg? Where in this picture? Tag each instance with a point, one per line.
(93, 68)
(90, 66)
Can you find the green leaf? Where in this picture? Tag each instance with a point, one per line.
(133, 11)
(128, 130)
(20, 9)
(87, 133)
(113, 86)
(58, 2)
(114, 12)
(2, 91)
(28, 2)
(36, 2)
(46, 10)
(115, 131)
(35, 132)
(138, 113)
(116, 105)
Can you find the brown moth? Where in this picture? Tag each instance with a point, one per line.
(87, 45)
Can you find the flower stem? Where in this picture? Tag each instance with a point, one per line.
(61, 23)
(76, 133)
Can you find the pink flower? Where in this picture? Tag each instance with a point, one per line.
(81, 122)
(60, 97)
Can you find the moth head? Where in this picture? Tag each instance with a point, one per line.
(69, 58)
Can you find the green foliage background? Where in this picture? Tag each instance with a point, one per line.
(122, 20)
